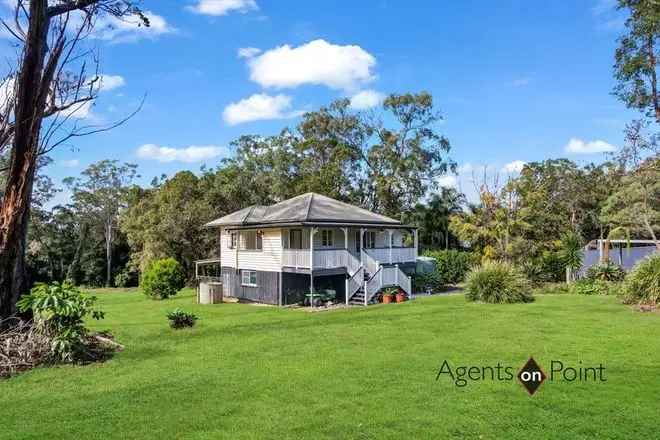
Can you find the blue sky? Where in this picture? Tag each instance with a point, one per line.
(516, 80)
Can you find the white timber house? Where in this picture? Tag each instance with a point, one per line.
(278, 254)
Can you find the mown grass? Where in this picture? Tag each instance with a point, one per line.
(247, 372)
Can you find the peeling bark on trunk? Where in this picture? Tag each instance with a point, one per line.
(14, 211)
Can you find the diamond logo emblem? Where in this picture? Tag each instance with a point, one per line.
(531, 376)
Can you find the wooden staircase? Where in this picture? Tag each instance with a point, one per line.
(369, 284)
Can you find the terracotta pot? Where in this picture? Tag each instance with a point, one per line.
(400, 297)
(387, 299)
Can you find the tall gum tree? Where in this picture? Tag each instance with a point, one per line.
(51, 81)
(637, 57)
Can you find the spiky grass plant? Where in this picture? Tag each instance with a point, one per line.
(498, 283)
(642, 285)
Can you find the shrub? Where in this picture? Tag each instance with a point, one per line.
(553, 289)
(451, 265)
(428, 280)
(497, 282)
(126, 278)
(593, 287)
(180, 319)
(607, 271)
(162, 279)
(60, 310)
(642, 285)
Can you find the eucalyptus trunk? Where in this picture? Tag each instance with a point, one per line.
(29, 109)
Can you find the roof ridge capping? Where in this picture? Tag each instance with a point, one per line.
(309, 205)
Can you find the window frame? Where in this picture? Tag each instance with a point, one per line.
(327, 238)
(249, 273)
(292, 233)
(369, 243)
(233, 240)
(258, 241)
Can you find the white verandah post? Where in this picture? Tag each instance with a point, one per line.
(415, 242)
(389, 233)
(361, 245)
(347, 262)
(312, 231)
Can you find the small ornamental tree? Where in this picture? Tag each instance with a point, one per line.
(162, 279)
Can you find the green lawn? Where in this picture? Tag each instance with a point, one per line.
(260, 372)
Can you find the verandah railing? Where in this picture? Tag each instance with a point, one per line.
(392, 256)
(323, 259)
(354, 283)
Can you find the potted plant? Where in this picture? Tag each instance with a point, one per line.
(400, 296)
(388, 295)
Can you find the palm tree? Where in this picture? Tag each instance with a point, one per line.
(433, 216)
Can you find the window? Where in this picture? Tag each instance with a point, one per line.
(233, 239)
(357, 241)
(295, 239)
(370, 239)
(327, 239)
(249, 278)
(251, 240)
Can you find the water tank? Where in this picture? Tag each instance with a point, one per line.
(210, 292)
(426, 265)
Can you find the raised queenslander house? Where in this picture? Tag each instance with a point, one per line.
(278, 254)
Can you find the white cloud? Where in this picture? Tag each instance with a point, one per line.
(128, 29)
(317, 62)
(366, 99)
(223, 7)
(193, 153)
(578, 146)
(82, 110)
(71, 163)
(6, 92)
(248, 52)
(448, 181)
(110, 82)
(514, 167)
(466, 168)
(259, 107)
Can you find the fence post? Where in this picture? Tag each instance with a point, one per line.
(365, 293)
(396, 274)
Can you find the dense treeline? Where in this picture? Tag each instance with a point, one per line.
(523, 220)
